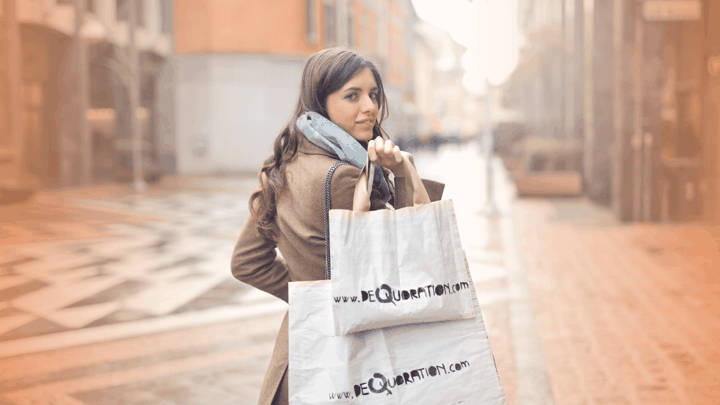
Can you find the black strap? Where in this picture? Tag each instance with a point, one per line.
(327, 215)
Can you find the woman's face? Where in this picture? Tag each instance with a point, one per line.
(354, 107)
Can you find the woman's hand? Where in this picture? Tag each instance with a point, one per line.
(386, 154)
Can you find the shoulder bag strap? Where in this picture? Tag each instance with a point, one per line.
(328, 179)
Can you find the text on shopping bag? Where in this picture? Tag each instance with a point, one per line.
(379, 383)
(388, 295)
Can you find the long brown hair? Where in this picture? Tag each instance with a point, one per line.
(325, 72)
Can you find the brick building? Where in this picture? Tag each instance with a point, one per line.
(638, 82)
(64, 86)
(239, 66)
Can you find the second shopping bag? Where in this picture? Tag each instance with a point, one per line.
(396, 267)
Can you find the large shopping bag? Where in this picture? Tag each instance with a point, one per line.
(432, 363)
(396, 267)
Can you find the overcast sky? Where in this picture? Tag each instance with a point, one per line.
(466, 21)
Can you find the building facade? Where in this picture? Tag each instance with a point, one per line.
(64, 84)
(443, 105)
(637, 83)
(239, 66)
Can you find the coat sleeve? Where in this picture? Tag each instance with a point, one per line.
(342, 189)
(434, 189)
(255, 262)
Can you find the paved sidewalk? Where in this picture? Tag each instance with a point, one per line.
(109, 297)
(579, 309)
(618, 313)
(628, 314)
(496, 267)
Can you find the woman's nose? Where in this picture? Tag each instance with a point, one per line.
(368, 104)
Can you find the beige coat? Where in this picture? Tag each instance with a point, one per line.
(301, 241)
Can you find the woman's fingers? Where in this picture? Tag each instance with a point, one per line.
(372, 152)
(379, 146)
(388, 150)
(397, 154)
(384, 152)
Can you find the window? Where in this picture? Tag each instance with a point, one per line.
(166, 16)
(381, 36)
(396, 54)
(310, 21)
(4, 133)
(32, 95)
(89, 4)
(140, 9)
(122, 10)
(364, 30)
(330, 25)
(31, 117)
(351, 30)
(372, 29)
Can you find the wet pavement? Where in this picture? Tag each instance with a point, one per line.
(108, 297)
(627, 314)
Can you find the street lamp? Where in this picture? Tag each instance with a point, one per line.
(138, 183)
(489, 209)
(504, 58)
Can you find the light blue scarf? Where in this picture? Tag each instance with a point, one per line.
(330, 137)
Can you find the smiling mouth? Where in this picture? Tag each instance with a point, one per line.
(365, 122)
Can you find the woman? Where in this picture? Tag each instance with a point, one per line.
(287, 211)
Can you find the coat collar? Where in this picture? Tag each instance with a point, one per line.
(308, 148)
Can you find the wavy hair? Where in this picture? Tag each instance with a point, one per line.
(325, 72)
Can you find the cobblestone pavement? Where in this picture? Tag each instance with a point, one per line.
(162, 262)
(627, 314)
(111, 298)
(101, 288)
(114, 298)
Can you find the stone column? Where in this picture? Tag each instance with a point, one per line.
(14, 96)
(601, 105)
(618, 110)
(578, 106)
(165, 116)
(69, 117)
(80, 50)
(626, 99)
(653, 81)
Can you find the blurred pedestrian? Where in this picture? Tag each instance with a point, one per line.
(287, 210)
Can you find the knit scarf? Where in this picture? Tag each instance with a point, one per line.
(330, 137)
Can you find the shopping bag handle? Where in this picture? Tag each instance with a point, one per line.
(363, 187)
(327, 206)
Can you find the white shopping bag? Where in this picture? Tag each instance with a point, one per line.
(397, 267)
(433, 363)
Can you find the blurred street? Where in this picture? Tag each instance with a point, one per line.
(131, 132)
(114, 298)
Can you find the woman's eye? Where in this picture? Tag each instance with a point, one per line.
(373, 96)
(351, 96)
